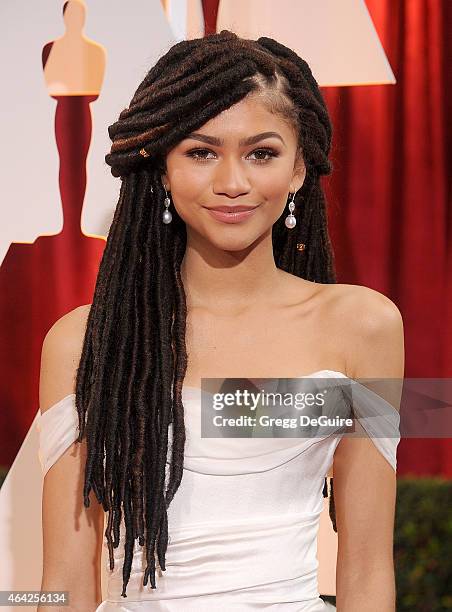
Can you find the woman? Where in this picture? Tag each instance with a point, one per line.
(186, 291)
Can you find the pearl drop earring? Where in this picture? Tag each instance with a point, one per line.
(290, 219)
(167, 216)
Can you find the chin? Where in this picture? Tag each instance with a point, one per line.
(234, 245)
(226, 238)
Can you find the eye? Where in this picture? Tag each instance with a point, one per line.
(198, 154)
(269, 152)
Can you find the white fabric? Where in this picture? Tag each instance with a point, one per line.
(58, 429)
(243, 524)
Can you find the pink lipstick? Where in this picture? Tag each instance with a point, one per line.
(231, 214)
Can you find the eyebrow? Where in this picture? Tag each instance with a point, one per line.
(218, 142)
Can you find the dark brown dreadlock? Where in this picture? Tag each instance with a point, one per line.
(134, 359)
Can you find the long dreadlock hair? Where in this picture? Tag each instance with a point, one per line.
(133, 362)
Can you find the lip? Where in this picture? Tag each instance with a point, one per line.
(232, 208)
(232, 214)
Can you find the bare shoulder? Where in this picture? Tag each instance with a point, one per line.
(362, 306)
(60, 356)
(371, 330)
(69, 324)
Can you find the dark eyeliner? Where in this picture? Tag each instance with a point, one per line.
(271, 152)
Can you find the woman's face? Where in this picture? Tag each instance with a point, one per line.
(216, 167)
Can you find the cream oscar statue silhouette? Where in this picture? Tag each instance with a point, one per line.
(75, 65)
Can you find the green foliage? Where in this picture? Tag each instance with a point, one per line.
(423, 544)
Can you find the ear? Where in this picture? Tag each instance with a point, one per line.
(164, 174)
(165, 182)
(298, 176)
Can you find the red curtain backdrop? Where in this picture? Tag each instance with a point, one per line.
(390, 219)
(389, 194)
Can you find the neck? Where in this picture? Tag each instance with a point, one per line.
(228, 282)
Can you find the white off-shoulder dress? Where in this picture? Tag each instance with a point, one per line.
(243, 524)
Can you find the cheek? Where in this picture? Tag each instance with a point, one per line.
(187, 183)
(272, 180)
(274, 188)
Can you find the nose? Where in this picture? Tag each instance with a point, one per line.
(230, 178)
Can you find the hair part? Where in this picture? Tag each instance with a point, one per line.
(273, 95)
